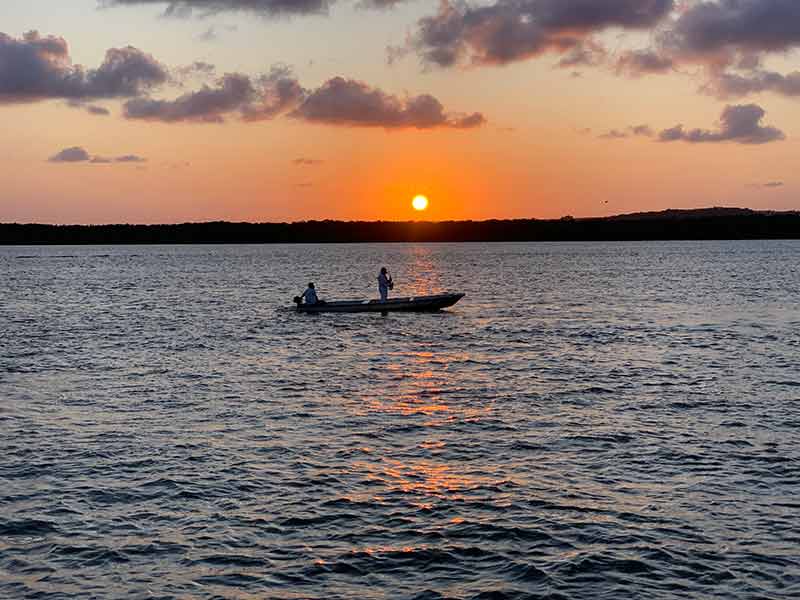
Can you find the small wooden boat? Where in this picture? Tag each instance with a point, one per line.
(413, 304)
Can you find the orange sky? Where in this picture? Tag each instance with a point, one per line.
(542, 149)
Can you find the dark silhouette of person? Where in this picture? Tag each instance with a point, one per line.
(385, 284)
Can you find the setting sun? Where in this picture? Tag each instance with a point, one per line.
(419, 203)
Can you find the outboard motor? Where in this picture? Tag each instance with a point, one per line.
(298, 301)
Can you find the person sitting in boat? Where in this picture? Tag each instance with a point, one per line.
(385, 284)
(310, 295)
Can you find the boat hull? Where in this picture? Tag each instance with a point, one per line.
(411, 304)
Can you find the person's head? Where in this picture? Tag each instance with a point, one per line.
(383, 271)
(311, 285)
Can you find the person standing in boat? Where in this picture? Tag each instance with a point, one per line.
(310, 295)
(385, 284)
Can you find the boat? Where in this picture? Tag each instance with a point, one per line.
(411, 304)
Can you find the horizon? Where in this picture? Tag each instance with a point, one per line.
(165, 111)
(709, 210)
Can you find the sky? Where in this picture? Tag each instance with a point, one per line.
(159, 111)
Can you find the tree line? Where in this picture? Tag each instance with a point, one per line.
(669, 225)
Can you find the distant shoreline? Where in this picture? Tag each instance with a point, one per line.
(698, 224)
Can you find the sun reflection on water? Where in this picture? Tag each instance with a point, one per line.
(423, 384)
(424, 482)
(425, 392)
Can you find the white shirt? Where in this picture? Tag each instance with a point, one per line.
(310, 296)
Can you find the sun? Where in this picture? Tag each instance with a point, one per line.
(419, 202)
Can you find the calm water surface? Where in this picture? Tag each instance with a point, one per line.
(591, 421)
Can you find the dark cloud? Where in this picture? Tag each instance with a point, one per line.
(36, 68)
(735, 85)
(92, 109)
(126, 72)
(71, 155)
(234, 93)
(632, 131)
(208, 104)
(339, 101)
(78, 154)
(353, 103)
(614, 134)
(636, 63)
(513, 30)
(267, 8)
(739, 25)
(740, 124)
(279, 92)
(729, 39)
(270, 8)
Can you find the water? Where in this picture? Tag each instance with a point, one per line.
(591, 421)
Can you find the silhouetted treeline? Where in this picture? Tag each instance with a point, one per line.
(709, 224)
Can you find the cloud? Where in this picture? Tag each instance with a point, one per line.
(268, 8)
(34, 68)
(353, 103)
(253, 100)
(78, 154)
(307, 162)
(767, 185)
(279, 92)
(632, 131)
(636, 63)
(70, 155)
(338, 102)
(265, 8)
(380, 4)
(585, 54)
(209, 35)
(728, 39)
(512, 30)
(644, 130)
(712, 27)
(740, 124)
(92, 109)
(733, 85)
(212, 33)
(198, 68)
(205, 105)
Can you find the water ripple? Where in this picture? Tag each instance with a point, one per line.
(592, 421)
